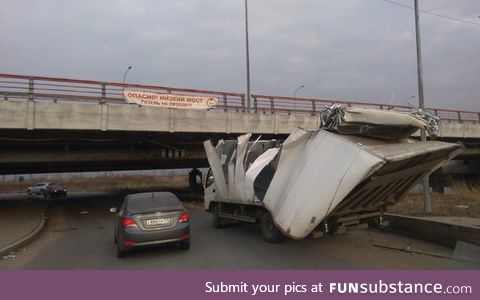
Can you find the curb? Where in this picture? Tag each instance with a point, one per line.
(25, 239)
(433, 231)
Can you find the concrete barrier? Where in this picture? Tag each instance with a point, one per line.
(21, 241)
(433, 231)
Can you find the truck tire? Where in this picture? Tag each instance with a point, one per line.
(216, 219)
(270, 232)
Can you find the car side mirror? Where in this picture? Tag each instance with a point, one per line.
(113, 210)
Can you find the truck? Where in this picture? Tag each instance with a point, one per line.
(347, 172)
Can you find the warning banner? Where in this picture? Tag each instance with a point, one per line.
(170, 100)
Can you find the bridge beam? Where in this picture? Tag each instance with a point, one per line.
(115, 117)
(53, 161)
(31, 115)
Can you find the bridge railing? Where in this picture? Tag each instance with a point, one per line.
(299, 105)
(20, 87)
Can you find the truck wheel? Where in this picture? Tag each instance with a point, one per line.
(216, 219)
(270, 232)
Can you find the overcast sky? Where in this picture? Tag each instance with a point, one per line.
(345, 49)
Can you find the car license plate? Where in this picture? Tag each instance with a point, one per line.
(155, 222)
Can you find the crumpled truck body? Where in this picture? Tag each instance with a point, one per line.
(319, 175)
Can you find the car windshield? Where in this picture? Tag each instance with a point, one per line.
(54, 187)
(151, 202)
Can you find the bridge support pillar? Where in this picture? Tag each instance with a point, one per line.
(104, 114)
(30, 115)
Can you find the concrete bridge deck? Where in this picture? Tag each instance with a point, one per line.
(31, 115)
(58, 124)
(34, 102)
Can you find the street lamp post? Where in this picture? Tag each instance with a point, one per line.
(125, 74)
(248, 56)
(421, 104)
(295, 96)
(405, 102)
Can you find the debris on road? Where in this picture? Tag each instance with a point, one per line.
(10, 255)
(410, 250)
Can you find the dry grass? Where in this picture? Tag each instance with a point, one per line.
(464, 202)
(470, 192)
(77, 183)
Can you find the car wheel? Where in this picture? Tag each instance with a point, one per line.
(270, 232)
(121, 251)
(216, 219)
(184, 245)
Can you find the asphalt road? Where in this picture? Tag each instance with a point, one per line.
(79, 235)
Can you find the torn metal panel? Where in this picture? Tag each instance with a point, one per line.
(226, 151)
(262, 182)
(254, 170)
(296, 138)
(381, 117)
(378, 123)
(312, 177)
(431, 120)
(239, 175)
(231, 178)
(257, 148)
(216, 166)
(396, 177)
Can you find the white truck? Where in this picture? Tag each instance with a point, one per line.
(359, 162)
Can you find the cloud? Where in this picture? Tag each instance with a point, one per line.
(345, 49)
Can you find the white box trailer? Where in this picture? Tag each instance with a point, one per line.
(324, 179)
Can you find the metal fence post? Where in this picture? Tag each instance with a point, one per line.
(104, 93)
(314, 108)
(272, 105)
(225, 102)
(30, 89)
(243, 102)
(459, 117)
(255, 105)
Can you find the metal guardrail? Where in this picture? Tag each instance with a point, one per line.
(22, 87)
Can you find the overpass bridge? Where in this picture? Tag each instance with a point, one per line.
(58, 124)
